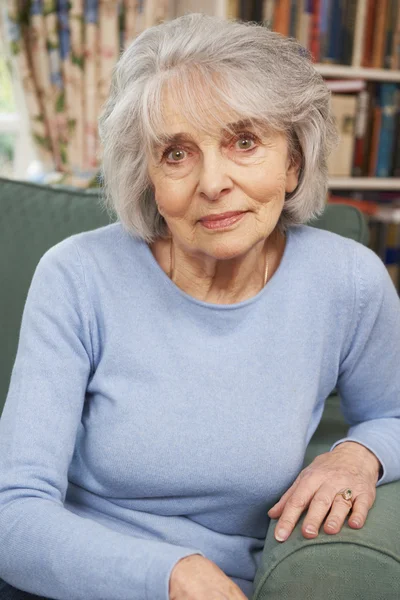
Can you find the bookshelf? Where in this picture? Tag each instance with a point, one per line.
(352, 41)
(370, 75)
(364, 183)
(347, 72)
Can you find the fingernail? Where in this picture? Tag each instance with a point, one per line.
(281, 535)
(330, 525)
(311, 530)
(355, 522)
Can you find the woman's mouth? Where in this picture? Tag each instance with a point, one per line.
(222, 222)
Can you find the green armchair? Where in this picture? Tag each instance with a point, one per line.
(362, 564)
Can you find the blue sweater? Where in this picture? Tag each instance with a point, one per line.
(143, 425)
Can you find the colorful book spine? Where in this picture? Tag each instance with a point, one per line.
(395, 171)
(257, 11)
(232, 9)
(372, 91)
(282, 16)
(304, 22)
(360, 132)
(348, 25)
(396, 41)
(387, 102)
(324, 28)
(379, 34)
(314, 42)
(268, 13)
(389, 33)
(246, 10)
(335, 33)
(293, 18)
(359, 32)
(366, 60)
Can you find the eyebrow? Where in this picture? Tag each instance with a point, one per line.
(182, 138)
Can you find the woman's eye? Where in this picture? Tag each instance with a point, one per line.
(176, 155)
(245, 143)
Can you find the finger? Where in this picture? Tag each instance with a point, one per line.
(276, 510)
(294, 507)
(361, 507)
(337, 512)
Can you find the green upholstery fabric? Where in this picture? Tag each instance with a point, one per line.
(345, 220)
(33, 218)
(355, 564)
(361, 564)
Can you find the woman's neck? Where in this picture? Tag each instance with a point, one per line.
(220, 281)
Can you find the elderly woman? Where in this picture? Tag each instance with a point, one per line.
(158, 354)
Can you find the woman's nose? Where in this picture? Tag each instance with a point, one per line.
(214, 178)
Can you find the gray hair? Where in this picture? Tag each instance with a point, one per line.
(242, 67)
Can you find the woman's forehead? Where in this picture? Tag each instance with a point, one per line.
(193, 116)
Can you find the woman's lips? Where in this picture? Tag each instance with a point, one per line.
(220, 223)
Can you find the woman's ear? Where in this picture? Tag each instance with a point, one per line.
(292, 174)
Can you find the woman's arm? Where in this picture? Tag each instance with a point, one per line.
(46, 549)
(369, 378)
(369, 385)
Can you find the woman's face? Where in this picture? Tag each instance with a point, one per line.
(195, 175)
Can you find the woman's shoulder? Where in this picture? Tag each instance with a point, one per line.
(327, 245)
(340, 258)
(111, 241)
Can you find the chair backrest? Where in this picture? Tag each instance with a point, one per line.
(345, 220)
(36, 217)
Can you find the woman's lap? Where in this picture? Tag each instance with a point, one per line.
(7, 592)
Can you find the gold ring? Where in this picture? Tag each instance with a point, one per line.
(346, 494)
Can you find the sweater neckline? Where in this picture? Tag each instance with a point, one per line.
(160, 274)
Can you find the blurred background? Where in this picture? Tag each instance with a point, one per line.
(57, 56)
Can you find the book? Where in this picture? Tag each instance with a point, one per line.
(374, 140)
(246, 10)
(371, 87)
(268, 13)
(314, 40)
(387, 101)
(325, 15)
(282, 17)
(379, 35)
(348, 26)
(335, 31)
(389, 32)
(359, 33)
(366, 60)
(396, 41)
(232, 9)
(304, 23)
(344, 110)
(395, 170)
(360, 132)
(257, 11)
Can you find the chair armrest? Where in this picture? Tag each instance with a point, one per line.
(363, 563)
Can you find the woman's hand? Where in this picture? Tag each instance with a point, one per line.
(348, 466)
(197, 578)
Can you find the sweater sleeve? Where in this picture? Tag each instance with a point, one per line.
(45, 549)
(369, 376)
